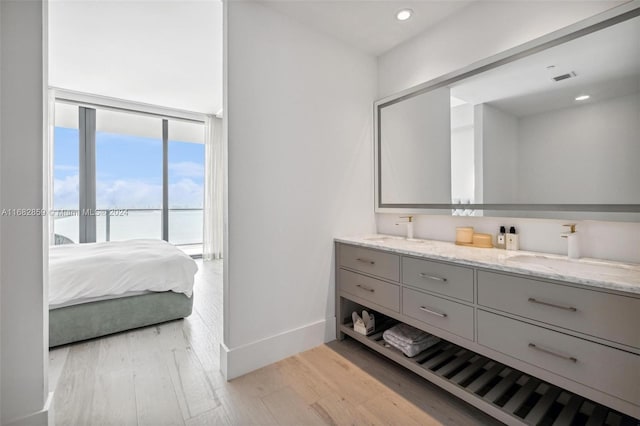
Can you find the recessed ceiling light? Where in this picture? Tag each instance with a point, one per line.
(582, 97)
(404, 14)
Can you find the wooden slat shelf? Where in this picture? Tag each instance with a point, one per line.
(509, 395)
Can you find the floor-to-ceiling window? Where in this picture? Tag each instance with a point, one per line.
(128, 176)
(66, 163)
(186, 183)
(121, 174)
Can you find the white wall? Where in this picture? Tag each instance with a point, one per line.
(618, 241)
(462, 154)
(595, 146)
(23, 335)
(479, 31)
(1, 280)
(300, 171)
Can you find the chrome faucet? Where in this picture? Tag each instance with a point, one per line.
(409, 223)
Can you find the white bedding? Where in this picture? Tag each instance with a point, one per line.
(81, 271)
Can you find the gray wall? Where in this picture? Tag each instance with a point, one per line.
(23, 338)
(594, 146)
(416, 149)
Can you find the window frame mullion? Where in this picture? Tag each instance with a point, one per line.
(87, 174)
(165, 179)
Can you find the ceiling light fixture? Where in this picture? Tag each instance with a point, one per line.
(404, 14)
(582, 97)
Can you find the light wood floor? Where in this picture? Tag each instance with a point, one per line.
(169, 375)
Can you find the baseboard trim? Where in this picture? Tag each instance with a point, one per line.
(43, 417)
(235, 362)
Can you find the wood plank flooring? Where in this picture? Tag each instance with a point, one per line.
(169, 375)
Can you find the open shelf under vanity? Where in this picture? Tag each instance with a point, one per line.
(521, 396)
(522, 363)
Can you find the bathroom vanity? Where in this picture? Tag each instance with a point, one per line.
(524, 336)
(540, 131)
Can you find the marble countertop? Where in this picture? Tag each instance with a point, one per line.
(597, 273)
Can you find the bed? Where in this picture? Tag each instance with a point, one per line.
(97, 289)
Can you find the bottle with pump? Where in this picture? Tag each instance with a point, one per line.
(409, 223)
(513, 239)
(501, 239)
(573, 245)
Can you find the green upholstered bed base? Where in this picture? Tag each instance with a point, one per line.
(94, 319)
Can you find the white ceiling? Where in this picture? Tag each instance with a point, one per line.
(606, 63)
(166, 53)
(169, 52)
(368, 25)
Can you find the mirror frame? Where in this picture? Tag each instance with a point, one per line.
(601, 21)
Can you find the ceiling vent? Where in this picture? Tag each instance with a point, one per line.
(564, 76)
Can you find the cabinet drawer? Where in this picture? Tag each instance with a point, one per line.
(453, 317)
(604, 315)
(601, 367)
(454, 281)
(376, 291)
(372, 262)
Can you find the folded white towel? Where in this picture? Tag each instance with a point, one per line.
(406, 334)
(409, 347)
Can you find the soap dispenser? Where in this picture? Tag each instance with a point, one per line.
(513, 242)
(501, 239)
(409, 224)
(573, 244)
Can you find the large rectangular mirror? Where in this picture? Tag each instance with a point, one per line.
(553, 129)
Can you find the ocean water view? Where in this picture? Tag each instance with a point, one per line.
(134, 177)
(185, 226)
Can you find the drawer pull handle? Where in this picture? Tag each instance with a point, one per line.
(429, 311)
(432, 277)
(556, 354)
(365, 288)
(553, 305)
(370, 262)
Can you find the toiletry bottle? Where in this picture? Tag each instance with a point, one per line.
(501, 239)
(513, 242)
(573, 244)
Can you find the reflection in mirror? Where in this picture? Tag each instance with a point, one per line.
(561, 126)
(416, 150)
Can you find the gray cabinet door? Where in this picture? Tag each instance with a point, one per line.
(379, 292)
(595, 313)
(450, 280)
(604, 368)
(453, 317)
(384, 265)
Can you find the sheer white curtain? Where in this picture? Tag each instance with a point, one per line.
(214, 174)
(48, 165)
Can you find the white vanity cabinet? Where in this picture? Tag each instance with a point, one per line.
(580, 339)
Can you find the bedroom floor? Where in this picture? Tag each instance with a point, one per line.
(168, 375)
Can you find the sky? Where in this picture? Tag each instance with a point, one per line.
(129, 172)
